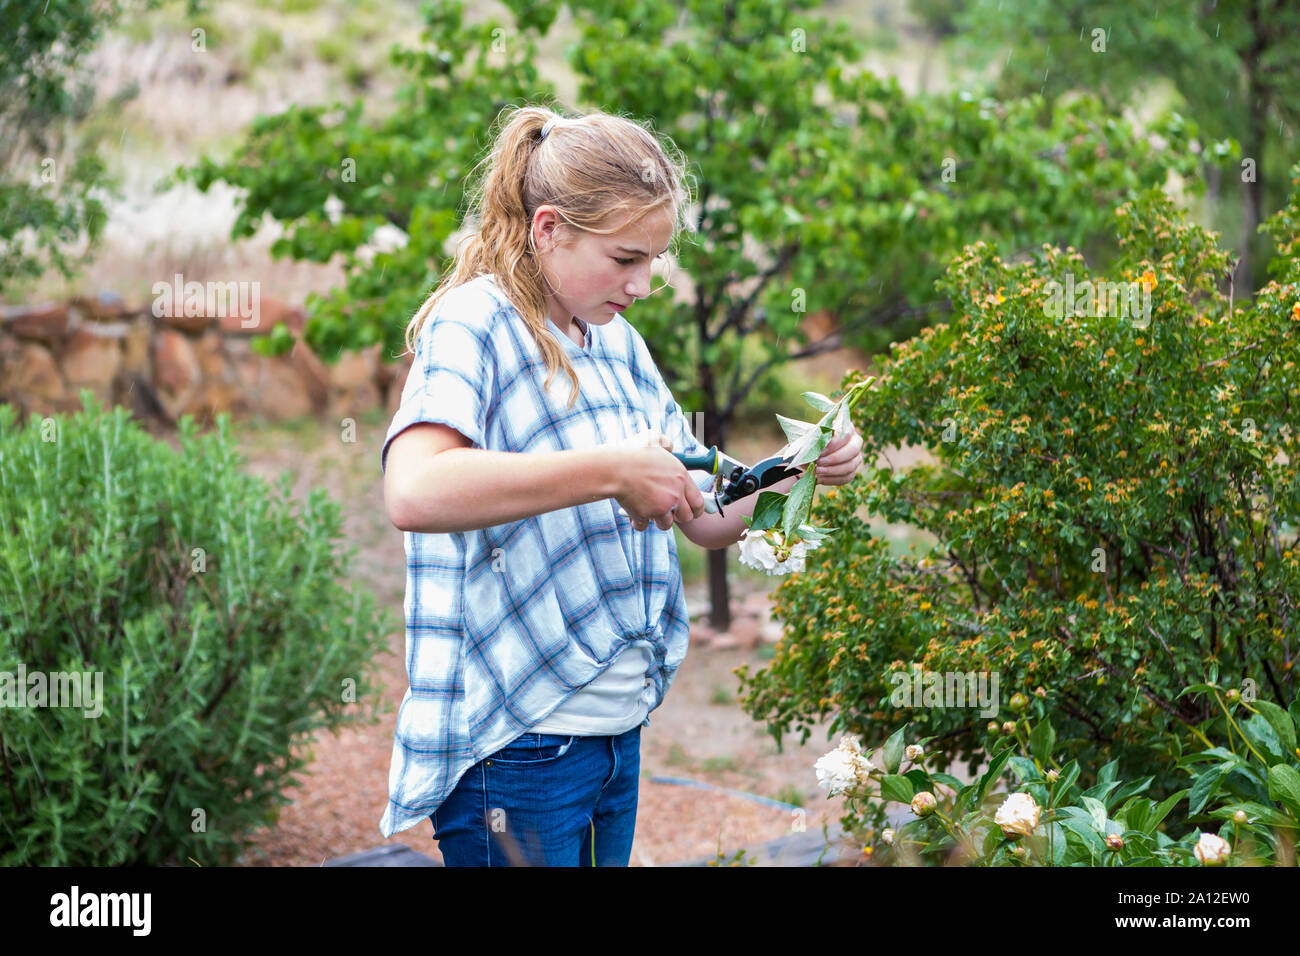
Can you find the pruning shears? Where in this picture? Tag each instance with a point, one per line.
(734, 480)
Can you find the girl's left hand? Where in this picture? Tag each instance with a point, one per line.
(841, 460)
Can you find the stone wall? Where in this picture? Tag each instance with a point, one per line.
(164, 367)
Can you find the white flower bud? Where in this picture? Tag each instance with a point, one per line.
(923, 803)
(914, 752)
(1212, 849)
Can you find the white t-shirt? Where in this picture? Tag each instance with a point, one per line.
(613, 703)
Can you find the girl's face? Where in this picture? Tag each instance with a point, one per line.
(592, 276)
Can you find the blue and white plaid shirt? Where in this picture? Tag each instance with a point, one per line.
(504, 623)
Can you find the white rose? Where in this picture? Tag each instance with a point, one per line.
(914, 752)
(888, 837)
(759, 550)
(1018, 815)
(1212, 849)
(844, 768)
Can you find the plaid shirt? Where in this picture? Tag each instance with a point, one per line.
(506, 622)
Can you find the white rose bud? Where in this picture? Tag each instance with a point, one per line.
(1240, 816)
(914, 752)
(1018, 815)
(923, 803)
(1212, 849)
(888, 836)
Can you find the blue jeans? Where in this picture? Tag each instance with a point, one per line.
(545, 800)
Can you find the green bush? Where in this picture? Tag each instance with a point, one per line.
(1115, 502)
(223, 627)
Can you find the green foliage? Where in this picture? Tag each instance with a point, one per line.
(1115, 501)
(53, 180)
(1052, 48)
(1253, 786)
(222, 624)
(848, 199)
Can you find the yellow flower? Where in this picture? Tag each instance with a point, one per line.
(1148, 279)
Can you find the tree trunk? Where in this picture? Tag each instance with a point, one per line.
(715, 434)
(1257, 108)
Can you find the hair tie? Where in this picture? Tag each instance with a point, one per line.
(547, 128)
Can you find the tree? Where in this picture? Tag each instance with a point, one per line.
(851, 193)
(1233, 62)
(41, 98)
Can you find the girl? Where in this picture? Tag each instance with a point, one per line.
(544, 618)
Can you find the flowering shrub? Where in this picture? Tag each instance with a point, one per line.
(1114, 504)
(1050, 820)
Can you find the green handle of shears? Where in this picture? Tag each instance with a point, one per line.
(705, 462)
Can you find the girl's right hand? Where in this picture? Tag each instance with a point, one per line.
(655, 485)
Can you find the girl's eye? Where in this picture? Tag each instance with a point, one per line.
(624, 262)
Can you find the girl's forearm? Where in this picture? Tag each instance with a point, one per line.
(717, 531)
(465, 489)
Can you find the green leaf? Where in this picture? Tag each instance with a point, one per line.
(891, 754)
(1157, 816)
(1263, 738)
(1284, 786)
(991, 774)
(1084, 831)
(1069, 774)
(1135, 813)
(1280, 721)
(1108, 772)
(1102, 790)
(896, 787)
(1096, 810)
(1024, 769)
(948, 780)
(819, 401)
(767, 510)
(1204, 788)
(1041, 740)
(797, 502)
(794, 429)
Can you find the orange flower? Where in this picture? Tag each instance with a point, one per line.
(1148, 279)
(1295, 311)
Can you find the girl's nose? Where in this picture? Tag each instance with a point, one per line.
(640, 288)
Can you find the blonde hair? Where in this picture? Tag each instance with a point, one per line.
(599, 171)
